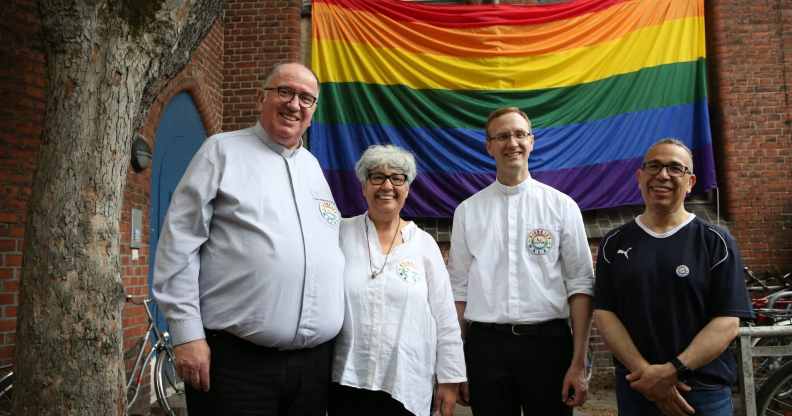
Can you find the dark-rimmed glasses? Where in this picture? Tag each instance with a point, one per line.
(397, 179)
(287, 94)
(518, 135)
(674, 169)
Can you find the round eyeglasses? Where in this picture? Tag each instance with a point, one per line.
(286, 94)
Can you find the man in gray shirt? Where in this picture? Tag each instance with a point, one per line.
(248, 269)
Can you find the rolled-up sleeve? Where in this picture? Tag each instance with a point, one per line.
(459, 258)
(578, 270)
(177, 264)
(450, 367)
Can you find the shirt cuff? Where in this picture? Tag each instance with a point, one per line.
(447, 380)
(581, 291)
(182, 332)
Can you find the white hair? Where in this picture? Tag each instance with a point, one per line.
(387, 155)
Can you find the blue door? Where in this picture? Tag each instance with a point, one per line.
(179, 135)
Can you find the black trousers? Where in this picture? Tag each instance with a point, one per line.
(509, 372)
(351, 401)
(247, 379)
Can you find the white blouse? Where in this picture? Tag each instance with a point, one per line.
(400, 328)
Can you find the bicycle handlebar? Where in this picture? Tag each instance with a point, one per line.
(137, 299)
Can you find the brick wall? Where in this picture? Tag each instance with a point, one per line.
(258, 34)
(750, 57)
(22, 87)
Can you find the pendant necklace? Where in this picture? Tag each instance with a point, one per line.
(375, 273)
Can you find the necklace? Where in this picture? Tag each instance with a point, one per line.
(375, 273)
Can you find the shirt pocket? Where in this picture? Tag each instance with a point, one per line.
(542, 242)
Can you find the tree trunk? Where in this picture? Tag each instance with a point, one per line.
(106, 61)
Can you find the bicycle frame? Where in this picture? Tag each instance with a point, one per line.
(143, 359)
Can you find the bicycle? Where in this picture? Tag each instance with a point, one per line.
(6, 384)
(773, 307)
(168, 387)
(775, 396)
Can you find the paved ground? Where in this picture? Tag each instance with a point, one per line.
(601, 402)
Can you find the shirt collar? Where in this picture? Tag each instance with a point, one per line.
(513, 190)
(408, 231)
(277, 148)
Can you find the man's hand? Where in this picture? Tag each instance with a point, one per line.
(654, 381)
(464, 394)
(575, 380)
(675, 404)
(445, 398)
(192, 363)
(658, 383)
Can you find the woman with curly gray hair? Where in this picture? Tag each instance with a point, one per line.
(400, 327)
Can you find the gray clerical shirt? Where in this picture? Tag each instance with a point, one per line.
(250, 246)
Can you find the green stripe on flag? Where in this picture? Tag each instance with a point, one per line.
(661, 86)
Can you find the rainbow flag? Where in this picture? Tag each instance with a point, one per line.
(601, 80)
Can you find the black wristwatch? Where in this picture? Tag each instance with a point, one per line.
(683, 372)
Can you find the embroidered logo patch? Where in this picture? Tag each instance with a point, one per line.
(329, 212)
(540, 241)
(408, 271)
(682, 270)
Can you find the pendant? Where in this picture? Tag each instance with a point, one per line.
(375, 274)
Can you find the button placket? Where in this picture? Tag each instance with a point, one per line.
(513, 254)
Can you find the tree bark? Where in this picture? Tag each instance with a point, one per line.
(106, 61)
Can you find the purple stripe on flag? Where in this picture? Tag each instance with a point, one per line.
(428, 194)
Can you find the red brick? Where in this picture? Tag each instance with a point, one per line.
(7, 245)
(7, 325)
(7, 352)
(9, 217)
(8, 299)
(12, 260)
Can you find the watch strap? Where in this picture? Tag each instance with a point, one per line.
(683, 372)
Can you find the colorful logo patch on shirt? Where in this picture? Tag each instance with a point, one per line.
(682, 270)
(540, 241)
(329, 212)
(408, 271)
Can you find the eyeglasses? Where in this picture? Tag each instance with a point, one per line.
(397, 179)
(518, 135)
(287, 95)
(675, 170)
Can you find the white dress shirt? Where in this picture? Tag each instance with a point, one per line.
(517, 254)
(249, 246)
(400, 328)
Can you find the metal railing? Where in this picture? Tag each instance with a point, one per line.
(746, 352)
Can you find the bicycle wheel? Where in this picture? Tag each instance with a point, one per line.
(775, 396)
(167, 384)
(6, 390)
(766, 366)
